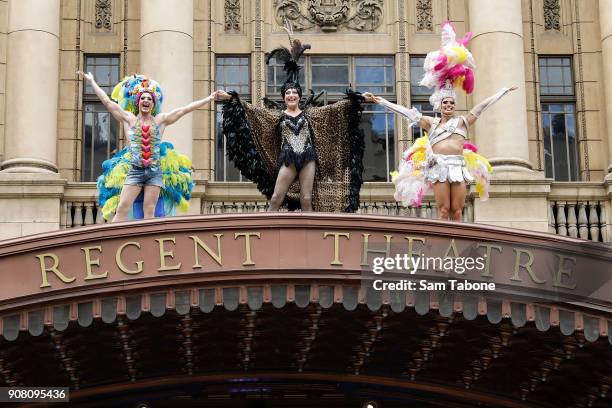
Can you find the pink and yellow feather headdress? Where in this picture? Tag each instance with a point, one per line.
(450, 67)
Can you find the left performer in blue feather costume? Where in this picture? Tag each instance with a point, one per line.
(146, 163)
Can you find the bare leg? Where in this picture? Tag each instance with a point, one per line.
(307, 175)
(151, 194)
(126, 200)
(285, 177)
(457, 195)
(442, 196)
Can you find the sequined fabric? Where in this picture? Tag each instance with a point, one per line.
(144, 142)
(440, 132)
(295, 132)
(444, 167)
(297, 148)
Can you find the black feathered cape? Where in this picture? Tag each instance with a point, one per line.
(254, 144)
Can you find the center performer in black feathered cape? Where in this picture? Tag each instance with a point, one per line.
(303, 156)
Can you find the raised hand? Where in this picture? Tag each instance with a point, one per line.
(87, 76)
(370, 97)
(514, 88)
(221, 95)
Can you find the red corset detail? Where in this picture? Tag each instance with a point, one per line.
(145, 148)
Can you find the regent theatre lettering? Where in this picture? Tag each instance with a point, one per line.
(190, 256)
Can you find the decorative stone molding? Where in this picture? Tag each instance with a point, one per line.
(552, 15)
(424, 15)
(232, 15)
(104, 14)
(330, 15)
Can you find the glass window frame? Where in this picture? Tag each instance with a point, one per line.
(90, 99)
(545, 93)
(573, 174)
(390, 148)
(108, 87)
(564, 99)
(245, 96)
(273, 91)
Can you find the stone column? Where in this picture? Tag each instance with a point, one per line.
(32, 86)
(497, 46)
(166, 55)
(605, 22)
(519, 196)
(30, 188)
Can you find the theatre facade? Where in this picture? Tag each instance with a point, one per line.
(229, 306)
(548, 141)
(283, 310)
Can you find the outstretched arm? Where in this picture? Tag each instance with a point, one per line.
(413, 115)
(484, 105)
(174, 115)
(112, 107)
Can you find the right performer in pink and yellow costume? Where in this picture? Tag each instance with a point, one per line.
(443, 160)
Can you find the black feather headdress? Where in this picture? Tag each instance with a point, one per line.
(290, 58)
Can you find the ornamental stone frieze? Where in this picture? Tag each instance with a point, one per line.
(232, 15)
(424, 15)
(103, 15)
(330, 15)
(552, 15)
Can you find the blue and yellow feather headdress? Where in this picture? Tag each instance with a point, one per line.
(126, 92)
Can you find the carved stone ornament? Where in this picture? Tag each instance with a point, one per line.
(330, 15)
(424, 15)
(552, 16)
(232, 15)
(104, 13)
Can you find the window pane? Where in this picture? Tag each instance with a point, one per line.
(548, 153)
(329, 61)
(556, 108)
(100, 130)
(570, 125)
(391, 161)
(105, 70)
(560, 144)
(561, 166)
(416, 74)
(556, 76)
(86, 169)
(330, 73)
(225, 170)
(374, 74)
(100, 140)
(232, 72)
(379, 155)
(543, 78)
(370, 75)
